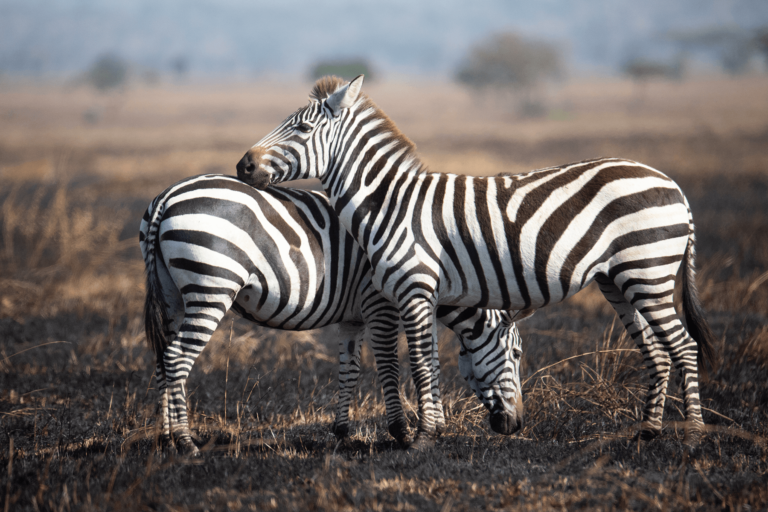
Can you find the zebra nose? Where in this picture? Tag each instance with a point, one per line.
(502, 422)
(507, 420)
(248, 170)
(245, 167)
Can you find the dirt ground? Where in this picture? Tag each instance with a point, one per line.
(77, 399)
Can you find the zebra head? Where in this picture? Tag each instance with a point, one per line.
(490, 362)
(301, 146)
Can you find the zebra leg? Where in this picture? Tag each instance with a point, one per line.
(417, 314)
(349, 370)
(162, 406)
(200, 321)
(382, 318)
(175, 314)
(655, 303)
(437, 400)
(682, 349)
(655, 357)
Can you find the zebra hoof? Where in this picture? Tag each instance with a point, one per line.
(647, 434)
(423, 442)
(166, 447)
(340, 431)
(187, 447)
(693, 436)
(399, 430)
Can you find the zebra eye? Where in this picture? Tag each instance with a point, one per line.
(517, 353)
(303, 127)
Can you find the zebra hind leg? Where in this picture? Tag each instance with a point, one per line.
(163, 425)
(174, 308)
(682, 349)
(655, 357)
(652, 297)
(437, 400)
(200, 321)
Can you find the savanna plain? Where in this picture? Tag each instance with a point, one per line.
(77, 394)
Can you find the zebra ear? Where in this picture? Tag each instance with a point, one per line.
(346, 96)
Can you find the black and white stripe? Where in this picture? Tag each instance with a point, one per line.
(280, 258)
(512, 242)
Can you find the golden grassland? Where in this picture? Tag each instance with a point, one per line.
(77, 400)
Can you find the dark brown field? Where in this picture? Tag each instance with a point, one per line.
(77, 400)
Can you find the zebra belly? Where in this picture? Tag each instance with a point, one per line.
(316, 311)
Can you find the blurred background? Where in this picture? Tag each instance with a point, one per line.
(246, 40)
(104, 104)
(180, 87)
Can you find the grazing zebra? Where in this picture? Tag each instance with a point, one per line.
(511, 242)
(280, 258)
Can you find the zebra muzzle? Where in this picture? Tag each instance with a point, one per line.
(506, 422)
(249, 170)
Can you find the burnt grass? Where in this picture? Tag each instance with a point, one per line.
(77, 402)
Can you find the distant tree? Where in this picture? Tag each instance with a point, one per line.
(108, 72)
(347, 69)
(735, 57)
(761, 39)
(506, 63)
(150, 76)
(733, 47)
(179, 66)
(644, 69)
(509, 61)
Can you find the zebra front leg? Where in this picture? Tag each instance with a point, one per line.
(418, 321)
(655, 357)
(382, 319)
(349, 369)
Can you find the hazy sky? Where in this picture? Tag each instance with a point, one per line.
(400, 37)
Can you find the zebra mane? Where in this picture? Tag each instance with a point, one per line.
(327, 85)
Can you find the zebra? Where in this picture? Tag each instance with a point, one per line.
(509, 242)
(280, 258)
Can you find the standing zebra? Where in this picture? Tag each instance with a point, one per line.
(511, 242)
(280, 258)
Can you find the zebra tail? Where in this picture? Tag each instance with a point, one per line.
(155, 308)
(698, 327)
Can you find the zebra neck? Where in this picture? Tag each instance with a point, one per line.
(370, 156)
